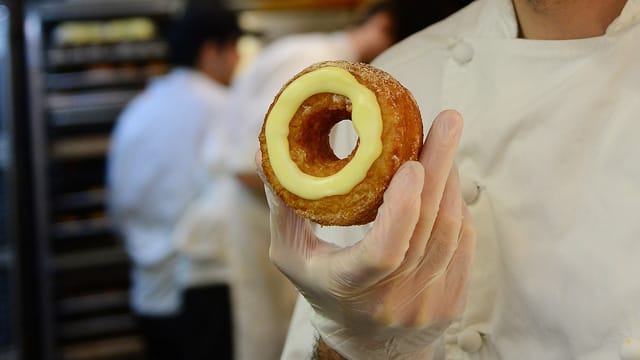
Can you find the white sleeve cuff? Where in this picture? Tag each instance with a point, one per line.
(402, 344)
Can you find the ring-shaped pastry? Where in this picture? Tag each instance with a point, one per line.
(298, 161)
(366, 118)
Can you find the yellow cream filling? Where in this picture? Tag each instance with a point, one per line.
(366, 118)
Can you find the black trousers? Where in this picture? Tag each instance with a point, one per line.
(202, 330)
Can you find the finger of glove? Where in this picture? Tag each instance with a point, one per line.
(289, 231)
(384, 247)
(292, 238)
(459, 268)
(427, 281)
(443, 242)
(437, 157)
(445, 298)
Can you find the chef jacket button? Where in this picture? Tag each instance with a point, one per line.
(630, 349)
(470, 340)
(462, 52)
(470, 190)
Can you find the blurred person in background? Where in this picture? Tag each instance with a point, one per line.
(264, 299)
(156, 173)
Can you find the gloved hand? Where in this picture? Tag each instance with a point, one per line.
(392, 293)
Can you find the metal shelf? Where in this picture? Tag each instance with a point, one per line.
(88, 99)
(76, 94)
(61, 11)
(80, 200)
(80, 116)
(80, 148)
(81, 228)
(94, 303)
(126, 76)
(294, 4)
(109, 53)
(121, 348)
(97, 326)
(90, 259)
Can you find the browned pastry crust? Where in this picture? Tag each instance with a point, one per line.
(310, 149)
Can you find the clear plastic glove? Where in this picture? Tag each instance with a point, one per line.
(394, 292)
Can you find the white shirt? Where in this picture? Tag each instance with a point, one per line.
(156, 171)
(263, 297)
(549, 170)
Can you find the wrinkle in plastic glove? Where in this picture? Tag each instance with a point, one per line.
(393, 293)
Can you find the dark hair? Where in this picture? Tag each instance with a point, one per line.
(200, 21)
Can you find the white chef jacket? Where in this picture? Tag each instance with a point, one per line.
(549, 170)
(263, 297)
(156, 176)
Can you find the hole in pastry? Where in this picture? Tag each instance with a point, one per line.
(343, 133)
